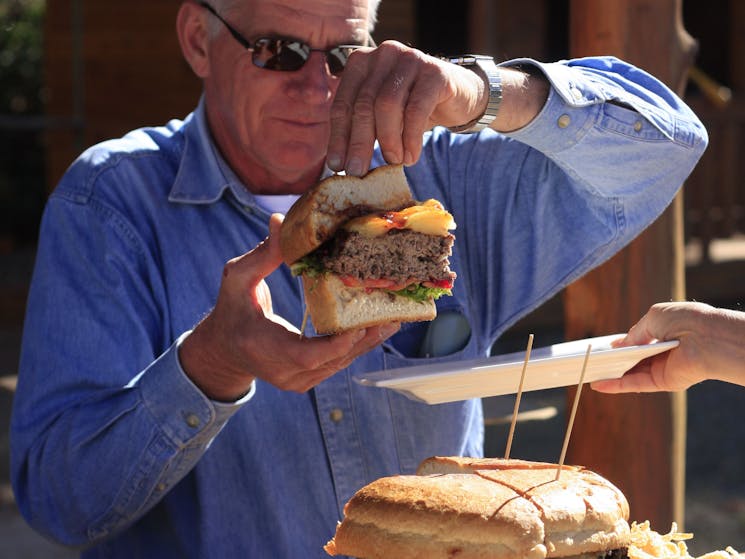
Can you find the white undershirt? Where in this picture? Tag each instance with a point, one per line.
(276, 203)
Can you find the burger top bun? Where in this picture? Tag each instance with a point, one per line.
(439, 517)
(486, 509)
(319, 212)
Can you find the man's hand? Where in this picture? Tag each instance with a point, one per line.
(394, 93)
(242, 339)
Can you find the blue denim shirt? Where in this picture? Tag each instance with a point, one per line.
(116, 451)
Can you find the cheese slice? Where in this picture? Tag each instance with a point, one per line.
(429, 218)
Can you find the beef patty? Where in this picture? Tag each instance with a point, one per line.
(398, 255)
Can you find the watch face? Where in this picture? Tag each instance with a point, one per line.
(465, 59)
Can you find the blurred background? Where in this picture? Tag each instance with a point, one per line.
(75, 72)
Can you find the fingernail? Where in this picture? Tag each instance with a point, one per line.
(392, 158)
(334, 162)
(408, 158)
(354, 167)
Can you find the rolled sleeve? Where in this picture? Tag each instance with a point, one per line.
(180, 408)
(559, 126)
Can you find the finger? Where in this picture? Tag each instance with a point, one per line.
(363, 130)
(638, 334)
(250, 268)
(391, 106)
(339, 350)
(323, 351)
(630, 382)
(419, 108)
(618, 342)
(275, 224)
(342, 109)
(372, 338)
(313, 360)
(638, 379)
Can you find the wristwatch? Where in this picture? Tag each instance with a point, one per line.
(485, 67)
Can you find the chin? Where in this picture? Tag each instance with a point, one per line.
(299, 155)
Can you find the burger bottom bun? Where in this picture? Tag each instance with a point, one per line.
(334, 307)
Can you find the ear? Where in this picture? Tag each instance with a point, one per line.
(193, 36)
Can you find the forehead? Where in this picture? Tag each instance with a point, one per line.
(316, 21)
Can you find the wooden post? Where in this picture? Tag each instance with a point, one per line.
(637, 441)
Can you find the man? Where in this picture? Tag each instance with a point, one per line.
(138, 434)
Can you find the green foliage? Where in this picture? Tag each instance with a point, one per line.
(21, 53)
(21, 97)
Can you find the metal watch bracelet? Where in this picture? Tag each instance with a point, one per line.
(487, 69)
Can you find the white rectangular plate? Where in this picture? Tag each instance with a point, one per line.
(549, 367)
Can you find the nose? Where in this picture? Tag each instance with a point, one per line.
(313, 82)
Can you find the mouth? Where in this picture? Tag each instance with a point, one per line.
(302, 122)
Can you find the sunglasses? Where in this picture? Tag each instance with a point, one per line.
(285, 55)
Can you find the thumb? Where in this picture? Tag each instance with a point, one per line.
(639, 333)
(259, 262)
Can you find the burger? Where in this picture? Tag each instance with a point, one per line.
(367, 252)
(468, 508)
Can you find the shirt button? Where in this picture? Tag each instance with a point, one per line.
(577, 94)
(192, 420)
(564, 121)
(336, 415)
(160, 487)
(638, 125)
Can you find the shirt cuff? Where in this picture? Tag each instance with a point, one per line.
(181, 409)
(559, 126)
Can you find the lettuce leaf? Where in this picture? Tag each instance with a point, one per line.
(309, 265)
(420, 293)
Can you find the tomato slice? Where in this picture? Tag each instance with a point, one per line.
(375, 283)
(443, 283)
(350, 281)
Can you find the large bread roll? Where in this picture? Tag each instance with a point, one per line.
(486, 509)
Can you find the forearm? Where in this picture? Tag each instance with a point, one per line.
(523, 96)
(102, 464)
(721, 339)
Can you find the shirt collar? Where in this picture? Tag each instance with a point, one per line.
(200, 178)
(203, 175)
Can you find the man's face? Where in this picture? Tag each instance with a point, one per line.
(273, 126)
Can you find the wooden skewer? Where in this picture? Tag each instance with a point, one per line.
(574, 412)
(304, 323)
(519, 396)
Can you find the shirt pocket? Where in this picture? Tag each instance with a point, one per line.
(423, 430)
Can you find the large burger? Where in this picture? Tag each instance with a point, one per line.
(463, 508)
(368, 253)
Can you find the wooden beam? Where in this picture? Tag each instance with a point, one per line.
(737, 45)
(638, 441)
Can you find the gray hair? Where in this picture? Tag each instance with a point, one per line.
(223, 5)
(372, 14)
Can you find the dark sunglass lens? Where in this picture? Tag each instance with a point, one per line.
(280, 54)
(337, 59)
